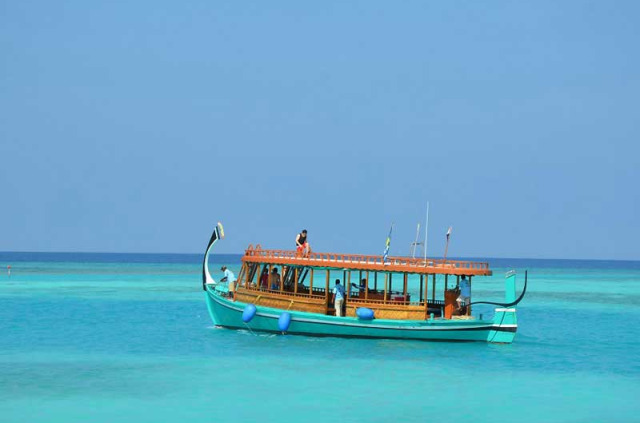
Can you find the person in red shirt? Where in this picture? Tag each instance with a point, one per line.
(264, 278)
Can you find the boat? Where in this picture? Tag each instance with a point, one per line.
(300, 302)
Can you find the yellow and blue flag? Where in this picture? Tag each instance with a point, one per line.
(385, 255)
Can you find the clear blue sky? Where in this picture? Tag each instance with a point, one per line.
(135, 126)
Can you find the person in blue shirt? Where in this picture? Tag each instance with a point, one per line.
(338, 297)
(465, 294)
(230, 278)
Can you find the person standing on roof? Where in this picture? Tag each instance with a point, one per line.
(302, 246)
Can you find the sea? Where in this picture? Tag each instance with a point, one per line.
(127, 338)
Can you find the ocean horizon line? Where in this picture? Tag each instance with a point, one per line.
(200, 255)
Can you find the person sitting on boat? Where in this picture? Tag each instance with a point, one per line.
(275, 279)
(302, 246)
(362, 287)
(230, 278)
(465, 294)
(264, 278)
(338, 297)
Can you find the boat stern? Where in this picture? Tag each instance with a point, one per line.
(505, 323)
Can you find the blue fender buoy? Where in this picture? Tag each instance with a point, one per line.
(248, 313)
(284, 321)
(364, 313)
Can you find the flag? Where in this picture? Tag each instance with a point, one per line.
(446, 248)
(385, 255)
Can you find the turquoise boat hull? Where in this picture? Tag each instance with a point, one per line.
(228, 313)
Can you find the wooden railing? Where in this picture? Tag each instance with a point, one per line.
(320, 259)
(303, 292)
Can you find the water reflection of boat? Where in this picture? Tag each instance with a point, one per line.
(301, 303)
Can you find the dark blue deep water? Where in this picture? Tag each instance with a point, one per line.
(127, 337)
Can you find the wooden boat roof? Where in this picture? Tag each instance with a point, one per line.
(366, 262)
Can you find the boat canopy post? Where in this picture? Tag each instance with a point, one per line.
(433, 289)
(384, 299)
(421, 283)
(345, 284)
(326, 290)
(241, 274)
(249, 272)
(404, 288)
(426, 296)
(366, 288)
(295, 280)
(311, 284)
(469, 305)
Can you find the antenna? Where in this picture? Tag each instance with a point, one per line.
(415, 244)
(426, 235)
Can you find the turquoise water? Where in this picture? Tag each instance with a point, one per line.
(106, 338)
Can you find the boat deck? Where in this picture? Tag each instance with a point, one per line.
(366, 262)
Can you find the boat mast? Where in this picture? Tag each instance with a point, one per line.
(415, 244)
(426, 235)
